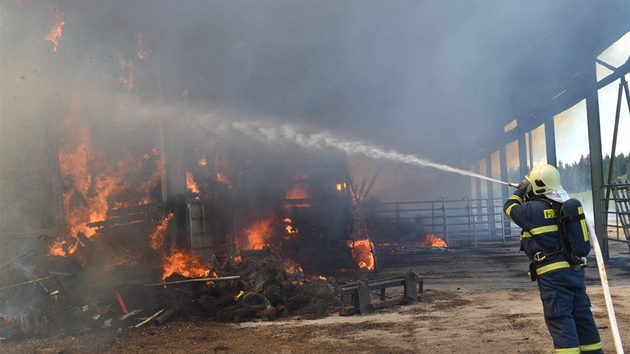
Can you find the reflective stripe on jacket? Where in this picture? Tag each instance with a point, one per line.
(537, 220)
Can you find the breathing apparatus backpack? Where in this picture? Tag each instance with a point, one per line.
(575, 242)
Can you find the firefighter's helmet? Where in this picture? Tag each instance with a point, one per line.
(544, 179)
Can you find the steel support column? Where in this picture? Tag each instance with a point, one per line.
(490, 186)
(504, 188)
(522, 155)
(479, 196)
(550, 142)
(595, 148)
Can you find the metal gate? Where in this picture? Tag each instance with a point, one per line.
(465, 222)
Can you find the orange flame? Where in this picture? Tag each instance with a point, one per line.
(292, 267)
(362, 253)
(157, 238)
(191, 185)
(203, 161)
(55, 33)
(186, 264)
(289, 227)
(142, 50)
(92, 185)
(258, 234)
(222, 178)
(431, 241)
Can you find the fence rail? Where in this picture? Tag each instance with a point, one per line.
(458, 222)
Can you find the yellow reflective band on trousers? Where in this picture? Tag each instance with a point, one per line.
(552, 266)
(591, 347)
(575, 350)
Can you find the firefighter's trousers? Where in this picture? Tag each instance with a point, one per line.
(567, 310)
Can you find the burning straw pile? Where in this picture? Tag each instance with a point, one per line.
(46, 295)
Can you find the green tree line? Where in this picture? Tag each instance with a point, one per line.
(576, 176)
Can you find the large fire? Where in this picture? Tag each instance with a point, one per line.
(186, 264)
(362, 253)
(431, 241)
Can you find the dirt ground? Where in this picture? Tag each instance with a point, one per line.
(474, 301)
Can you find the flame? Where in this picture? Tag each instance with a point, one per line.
(222, 178)
(62, 247)
(186, 264)
(258, 234)
(203, 161)
(190, 183)
(362, 253)
(142, 50)
(73, 165)
(341, 186)
(55, 33)
(92, 185)
(289, 227)
(157, 237)
(431, 241)
(291, 267)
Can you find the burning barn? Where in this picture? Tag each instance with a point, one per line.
(162, 158)
(142, 213)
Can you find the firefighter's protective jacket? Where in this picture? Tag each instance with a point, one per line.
(540, 239)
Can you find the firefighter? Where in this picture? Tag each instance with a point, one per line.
(566, 306)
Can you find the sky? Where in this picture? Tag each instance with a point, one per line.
(571, 125)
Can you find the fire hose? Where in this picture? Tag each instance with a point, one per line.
(604, 280)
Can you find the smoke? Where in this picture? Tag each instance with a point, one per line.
(422, 78)
(403, 74)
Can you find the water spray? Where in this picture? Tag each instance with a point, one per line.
(288, 133)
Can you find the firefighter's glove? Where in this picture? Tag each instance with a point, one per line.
(524, 185)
